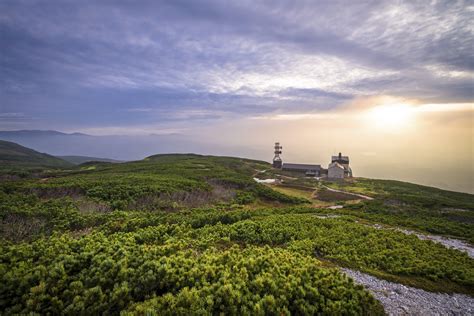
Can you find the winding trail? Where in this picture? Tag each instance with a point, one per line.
(398, 299)
(365, 197)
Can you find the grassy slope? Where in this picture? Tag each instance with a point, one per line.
(414, 206)
(158, 183)
(425, 209)
(399, 192)
(13, 155)
(70, 213)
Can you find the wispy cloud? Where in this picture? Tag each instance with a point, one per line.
(131, 131)
(443, 107)
(140, 110)
(298, 116)
(11, 115)
(209, 60)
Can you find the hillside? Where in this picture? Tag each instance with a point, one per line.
(190, 233)
(77, 160)
(14, 155)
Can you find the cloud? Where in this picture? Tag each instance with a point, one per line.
(440, 107)
(298, 116)
(82, 65)
(132, 131)
(139, 110)
(11, 115)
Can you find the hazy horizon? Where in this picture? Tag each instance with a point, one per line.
(365, 164)
(388, 83)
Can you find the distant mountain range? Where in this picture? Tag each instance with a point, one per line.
(36, 133)
(114, 147)
(75, 146)
(15, 156)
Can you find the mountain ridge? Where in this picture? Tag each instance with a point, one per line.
(37, 132)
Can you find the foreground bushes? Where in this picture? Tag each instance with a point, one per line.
(212, 261)
(151, 271)
(261, 281)
(358, 246)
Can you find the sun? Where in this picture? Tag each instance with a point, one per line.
(391, 116)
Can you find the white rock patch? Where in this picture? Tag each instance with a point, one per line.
(327, 216)
(269, 181)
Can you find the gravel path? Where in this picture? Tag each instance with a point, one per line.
(398, 299)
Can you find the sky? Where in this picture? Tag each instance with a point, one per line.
(390, 83)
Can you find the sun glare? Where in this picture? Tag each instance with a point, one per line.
(391, 116)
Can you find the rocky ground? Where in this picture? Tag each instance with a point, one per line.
(398, 299)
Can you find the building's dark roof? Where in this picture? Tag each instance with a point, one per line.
(297, 166)
(343, 158)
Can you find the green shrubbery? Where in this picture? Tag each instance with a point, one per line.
(408, 193)
(260, 281)
(453, 223)
(123, 238)
(211, 260)
(356, 246)
(413, 206)
(161, 182)
(155, 268)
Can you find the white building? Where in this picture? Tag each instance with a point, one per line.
(339, 167)
(336, 171)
